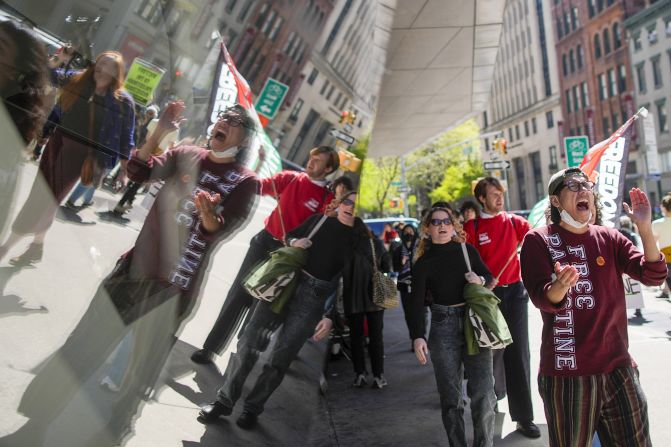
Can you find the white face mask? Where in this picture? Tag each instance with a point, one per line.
(230, 152)
(566, 217)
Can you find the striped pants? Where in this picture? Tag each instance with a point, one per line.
(611, 404)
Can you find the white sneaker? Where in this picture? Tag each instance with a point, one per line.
(108, 384)
(379, 382)
(360, 381)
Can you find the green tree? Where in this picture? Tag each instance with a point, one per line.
(376, 187)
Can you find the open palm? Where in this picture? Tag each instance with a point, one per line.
(640, 211)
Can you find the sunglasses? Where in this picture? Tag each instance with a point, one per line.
(347, 202)
(576, 186)
(437, 222)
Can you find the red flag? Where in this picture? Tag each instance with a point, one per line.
(244, 92)
(592, 159)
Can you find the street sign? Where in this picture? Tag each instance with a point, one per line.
(403, 189)
(495, 165)
(395, 183)
(271, 98)
(576, 148)
(342, 136)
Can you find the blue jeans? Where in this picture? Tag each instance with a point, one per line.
(450, 362)
(81, 190)
(297, 321)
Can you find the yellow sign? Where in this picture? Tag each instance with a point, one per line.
(143, 78)
(349, 161)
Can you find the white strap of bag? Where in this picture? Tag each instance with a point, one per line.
(318, 226)
(466, 258)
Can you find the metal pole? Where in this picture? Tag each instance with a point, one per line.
(404, 193)
(505, 179)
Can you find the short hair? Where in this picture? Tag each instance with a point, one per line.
(441, 204)
(469, 205)
(666, 202)
(334, 159)
(481, 188)
(344, 181)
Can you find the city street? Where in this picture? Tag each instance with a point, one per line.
(40, 306)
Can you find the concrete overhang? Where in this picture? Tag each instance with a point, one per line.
(438, 70)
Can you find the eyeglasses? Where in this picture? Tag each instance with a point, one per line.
(437, 222)
(576, 186)
(231, 120)
(347, 202)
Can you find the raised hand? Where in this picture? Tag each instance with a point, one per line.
(170, 119)
(206, 206)
(640, 211)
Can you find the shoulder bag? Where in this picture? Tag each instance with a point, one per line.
(385, 294)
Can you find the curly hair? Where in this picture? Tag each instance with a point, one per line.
(425, 244)
(24, 94)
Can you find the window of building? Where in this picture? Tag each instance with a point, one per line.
(276, 28)
(574, 18)
(293, 117)
(337, 100)
(265, 28)
(584, 95)
(517, 132)
(640, 75)
(571, 56)
(150, 10)
(510, 134)
(656, 71)
(667, 26)
(559, 28)
(549, 119)
(564, 63)
(610, 2)
(617, 36)
(328, 97)
(606, 42)
(636, 38)
(591, 8)
(230, 5)
(599, 6)
(526, 128)
(567, 96)
(605, 124)
(612, 83)
(652, 34)
(567, 24)
(576, 104)
(662, 118)
(245, 10)
(534, 129)
(313, 76)
(615, 124)
(597, 46)
(324, 87)
(581, 56)
(603, 92)
(622, 77)
(553, 157)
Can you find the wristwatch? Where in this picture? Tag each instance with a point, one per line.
(482, 278)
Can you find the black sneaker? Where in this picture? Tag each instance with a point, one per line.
(203, 356)
(31, 255)
(247, 420)
(529, 429)
(211, 412)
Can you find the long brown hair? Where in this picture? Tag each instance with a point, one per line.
(425, 243)
(82, 84)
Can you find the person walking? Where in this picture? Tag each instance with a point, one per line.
(97, 121)
(299, 195)
(368, 254)
(207, 197)
(441, 269)
(403, 258)
(573, 271)
(496, 235)
(662, 230)
(303, 315)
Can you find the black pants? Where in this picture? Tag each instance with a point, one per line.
(238, 301)
(511, 365)
(405, 302)
(375, 344)
(129, 195)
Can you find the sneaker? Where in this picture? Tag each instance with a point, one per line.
(31, 255)
(360, 381)
(212, 412)
(109, 385)
(203, 356)
(638, 313)
(247, 420)
(88, 204)
(662, 295)
(71, 205)
(379, 382)
(529, 429)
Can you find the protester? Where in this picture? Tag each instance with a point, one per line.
(23, 87)
(97, 122)
(662, 230)
(328, 250)
(340, 186)
(496, 235)
(299, 195)
(441, 269)
(389, 236)
(573, 271)
(368, 254)
(207, 196)
(469, 210)
(403, 259)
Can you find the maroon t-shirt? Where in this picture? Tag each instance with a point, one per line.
(586, 333)
(172, 245)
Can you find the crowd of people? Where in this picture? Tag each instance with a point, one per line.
(571, 269)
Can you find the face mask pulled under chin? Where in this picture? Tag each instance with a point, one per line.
(566, 217)
(230, 152)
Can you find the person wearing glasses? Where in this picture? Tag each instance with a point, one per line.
(207, 196)
(573, 272)
(299, 195)
(496, 235)
(441, 269)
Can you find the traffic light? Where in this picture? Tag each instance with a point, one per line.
(344, 117)
(501, 146)
(351, 118)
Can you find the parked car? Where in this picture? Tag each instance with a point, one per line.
(523, 213)
(377, 225)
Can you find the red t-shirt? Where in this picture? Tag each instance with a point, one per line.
(496, 240)
(300, 198)
(586, 333)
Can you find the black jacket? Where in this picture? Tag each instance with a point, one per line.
(358, 274)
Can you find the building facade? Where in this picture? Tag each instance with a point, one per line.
(649, 39)
(524, 106)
